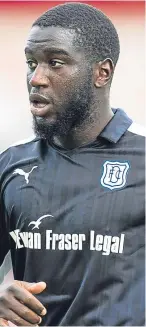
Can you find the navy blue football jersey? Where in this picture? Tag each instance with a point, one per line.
(75, 220)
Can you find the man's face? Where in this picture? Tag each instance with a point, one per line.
(59, 81)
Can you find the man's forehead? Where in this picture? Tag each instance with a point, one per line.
(49, 34)
(44, 40)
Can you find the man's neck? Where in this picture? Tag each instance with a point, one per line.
(86, 133)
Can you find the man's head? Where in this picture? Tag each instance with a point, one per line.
(71, 51)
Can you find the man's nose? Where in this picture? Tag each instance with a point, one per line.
(39, 77)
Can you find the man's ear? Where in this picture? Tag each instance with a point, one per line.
(103, 72)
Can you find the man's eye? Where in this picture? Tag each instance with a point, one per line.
(56, 63)
(31, 64)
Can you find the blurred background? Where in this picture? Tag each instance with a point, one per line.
(16, 19)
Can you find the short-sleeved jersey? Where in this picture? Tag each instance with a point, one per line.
(75, 219)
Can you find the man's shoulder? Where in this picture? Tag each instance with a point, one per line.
(19, 144)
(137, 130)
(134, 140)
(19, 151)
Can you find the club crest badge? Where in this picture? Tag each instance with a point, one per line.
(114, 174)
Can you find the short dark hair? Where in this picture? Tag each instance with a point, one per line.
(95, 32)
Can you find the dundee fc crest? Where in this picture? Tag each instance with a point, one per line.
(114, 174)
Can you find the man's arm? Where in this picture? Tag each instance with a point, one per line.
(4, 239)
(17, 301)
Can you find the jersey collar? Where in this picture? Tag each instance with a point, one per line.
(117, 126)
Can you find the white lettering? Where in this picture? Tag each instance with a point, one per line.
(75, 241)
(82, 238)
(24, 237)
(16, 238)
(121, 243)
(106, 245)
(37, 241)
(48, 239)
(61, 241)
(92, 235)
(64, 241)
(99, 242)
(68, 242)
(55, 237)
(115, 244)
(30, 241)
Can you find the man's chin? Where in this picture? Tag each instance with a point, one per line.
(43, 128)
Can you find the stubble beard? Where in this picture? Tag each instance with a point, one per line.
(73, 116)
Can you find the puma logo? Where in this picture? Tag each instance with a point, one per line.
(23, 173)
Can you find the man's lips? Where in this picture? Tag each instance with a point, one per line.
(39, 105)
(35, 97)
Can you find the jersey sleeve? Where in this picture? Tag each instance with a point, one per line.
(4, 238)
